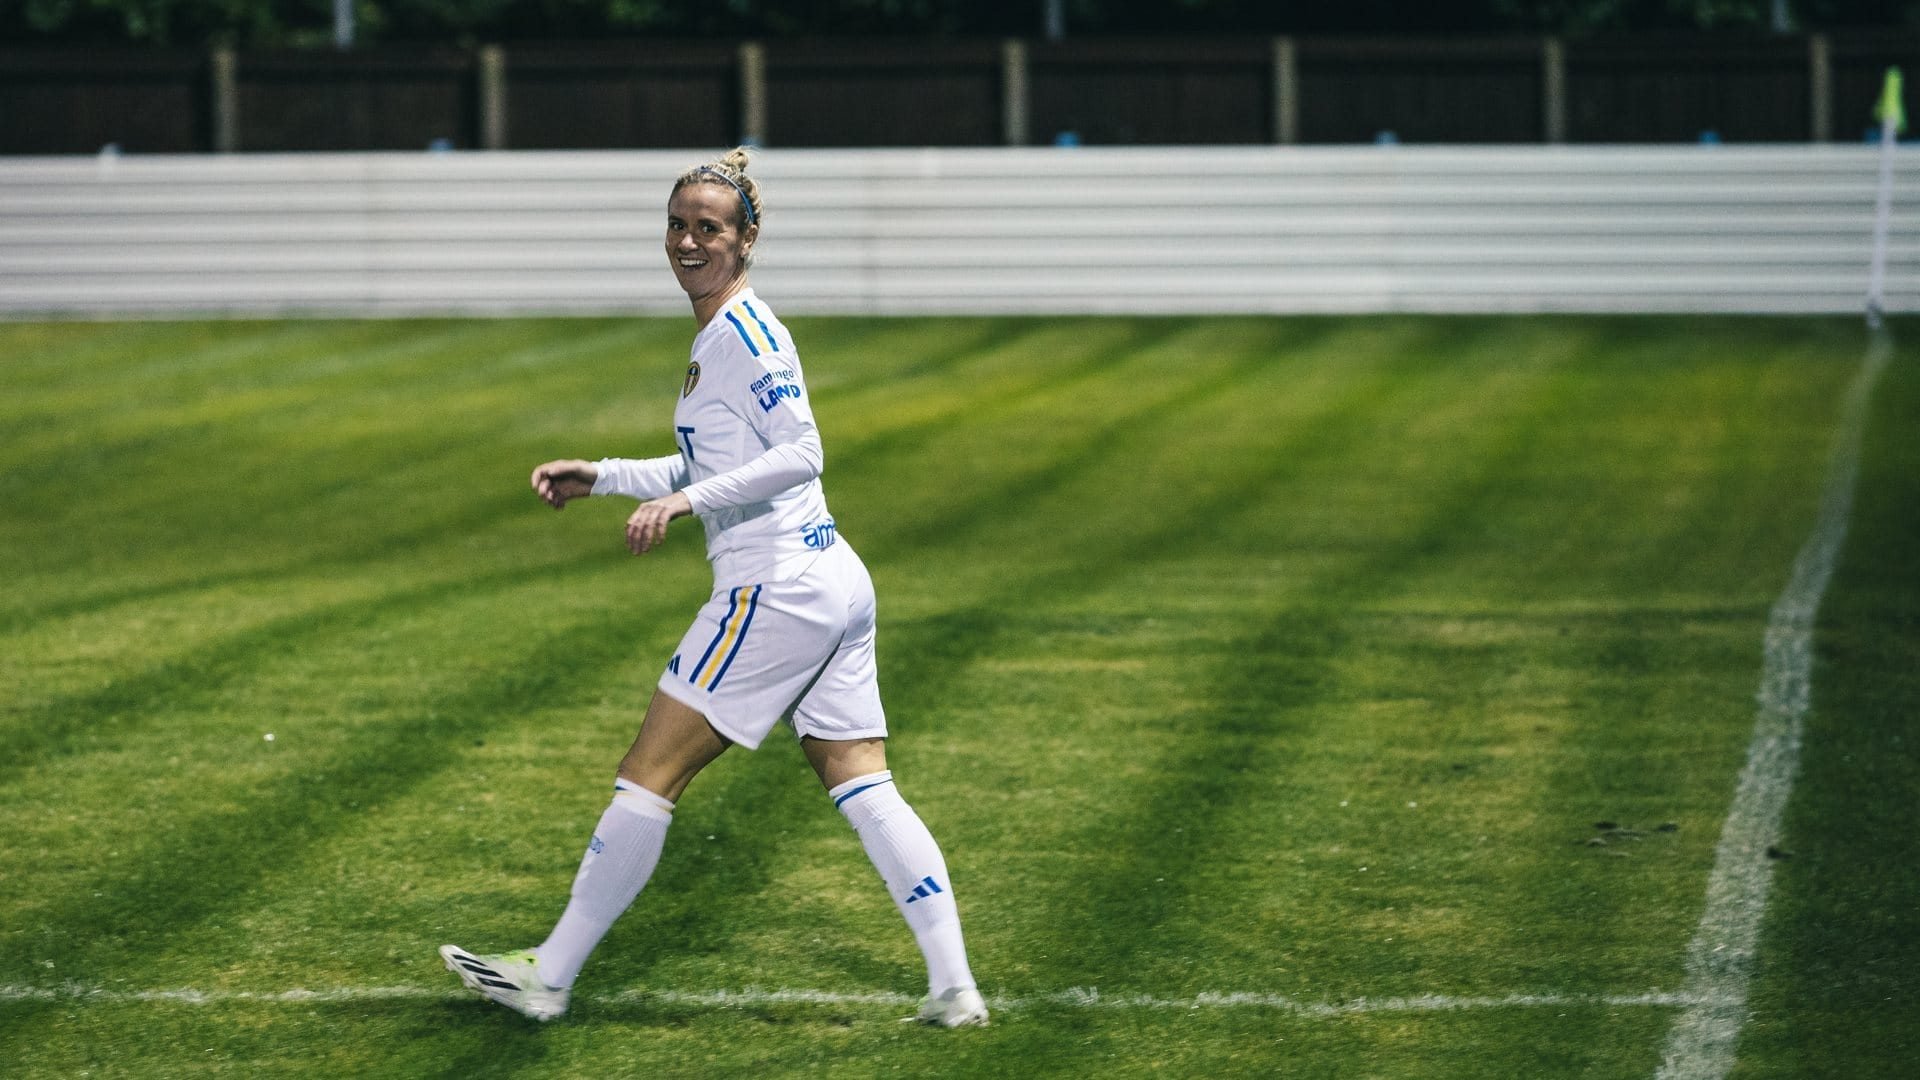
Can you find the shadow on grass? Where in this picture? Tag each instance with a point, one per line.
(1240, 741)
(477, 1039)
(57, 727)
(351, 554)
(192, 869)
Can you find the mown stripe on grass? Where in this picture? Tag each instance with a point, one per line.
(309, 477)
(1128, 434)
(189, 868)
(124, 417)
(901, 422)
(930, 668)
(940, 648)
(52, 728)
(1720, 957)
(365, 551)
(860, 363)
(319, 367)
(47, 356)
(1243, 732)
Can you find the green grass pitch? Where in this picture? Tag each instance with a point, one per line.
(1264, 680)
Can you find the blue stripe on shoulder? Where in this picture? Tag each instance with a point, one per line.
(764, 328)
(744, 336)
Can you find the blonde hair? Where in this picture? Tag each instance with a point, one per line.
(730, 170)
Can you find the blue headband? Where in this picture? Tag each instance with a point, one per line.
(731, 182)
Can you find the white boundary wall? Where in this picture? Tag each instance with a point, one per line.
(1138, 230)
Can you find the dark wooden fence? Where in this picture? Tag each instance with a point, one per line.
(894, 92)
(369, 100)
(882, 93)
(1446, 91)
(73, 102)
(628, 94)
(1743, 91)
(1152, 92)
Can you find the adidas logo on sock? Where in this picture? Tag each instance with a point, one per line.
(926, 888)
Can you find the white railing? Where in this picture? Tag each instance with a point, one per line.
(1139, 230)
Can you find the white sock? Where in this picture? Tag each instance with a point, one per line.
(625, 849)
(910, 863)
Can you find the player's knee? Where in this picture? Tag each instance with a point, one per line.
(665, 781)
(836, 762)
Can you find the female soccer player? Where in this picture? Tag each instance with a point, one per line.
(788, 632)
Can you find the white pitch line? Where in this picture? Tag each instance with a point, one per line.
(1078, 997)
(1419, 1003)
(1720, 957)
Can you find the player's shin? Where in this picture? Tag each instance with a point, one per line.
(625, 849)
(910, 863)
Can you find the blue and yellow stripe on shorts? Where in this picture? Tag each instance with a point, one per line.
(741, 604)
(752, 328)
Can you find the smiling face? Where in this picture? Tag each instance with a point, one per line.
(707, 245)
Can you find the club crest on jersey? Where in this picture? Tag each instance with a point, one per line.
(693, 379)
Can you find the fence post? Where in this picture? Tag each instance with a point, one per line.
(753, 93)
(1553, 89)
(1286, 91)
(493, 97)
(1014, 104)
(1820, 87)
(226, 102)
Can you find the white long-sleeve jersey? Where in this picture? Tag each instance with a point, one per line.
(750, 455)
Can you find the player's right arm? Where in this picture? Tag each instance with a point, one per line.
(556, 482)
(641, 478)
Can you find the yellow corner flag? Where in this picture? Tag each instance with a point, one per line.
(1890, 110)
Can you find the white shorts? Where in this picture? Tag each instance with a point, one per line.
(757, 654)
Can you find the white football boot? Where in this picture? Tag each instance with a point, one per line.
(955, 1008)
(510, 979)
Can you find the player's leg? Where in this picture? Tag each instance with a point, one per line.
(902, 849)
(843, 730)
(674, 744)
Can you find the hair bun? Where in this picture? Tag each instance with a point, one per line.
(730, 169)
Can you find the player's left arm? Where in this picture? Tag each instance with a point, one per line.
(775, 406)
(647, 526)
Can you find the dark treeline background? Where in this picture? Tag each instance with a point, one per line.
(308, 23)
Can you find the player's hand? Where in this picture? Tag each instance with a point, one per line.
(557, 481)
(648, 525)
